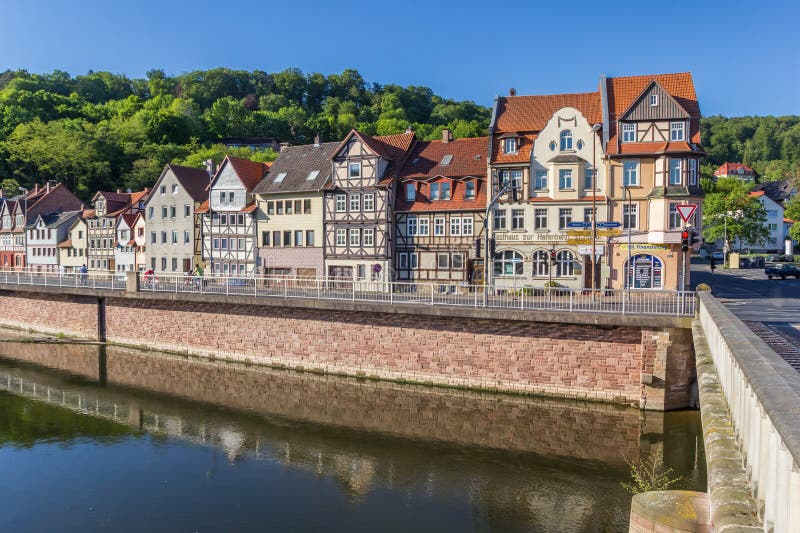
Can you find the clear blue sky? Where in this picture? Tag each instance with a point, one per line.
(745, 56)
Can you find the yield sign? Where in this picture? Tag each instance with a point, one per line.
(686, 211)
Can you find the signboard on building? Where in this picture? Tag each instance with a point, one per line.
(530, 237)
(643, 246)
(609, 232)
(579, 240)
(608, 224)
(599, 249)
(577, 224)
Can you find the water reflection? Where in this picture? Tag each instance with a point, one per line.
(394, 457)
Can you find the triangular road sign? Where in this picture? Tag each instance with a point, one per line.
(686, 211)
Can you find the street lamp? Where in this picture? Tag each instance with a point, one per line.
(486, 219)
(595, 129)
(25, 223)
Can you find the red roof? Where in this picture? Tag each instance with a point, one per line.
(250, 172)
(524, 149)
(467, 158)
(249, 208)
(756, 194)
(730, 168)
(654, 148)
(789, 220)
(457, 201)
(531, 113)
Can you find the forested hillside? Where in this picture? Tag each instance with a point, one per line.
(106, 131)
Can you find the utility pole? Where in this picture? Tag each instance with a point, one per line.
(595, 129)
(486, 221)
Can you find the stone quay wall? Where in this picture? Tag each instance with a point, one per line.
(623, 359)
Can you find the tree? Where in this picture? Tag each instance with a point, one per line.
(732, 212)
(792, 212)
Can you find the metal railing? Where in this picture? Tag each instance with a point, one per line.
(763, 394)
(89, 280)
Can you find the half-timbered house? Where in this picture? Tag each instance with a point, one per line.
(359, 205)
(130, 248)
(72, 250)
(102, 225)
(439, 211)
(229, 218)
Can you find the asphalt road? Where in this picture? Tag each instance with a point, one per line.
(771, 308)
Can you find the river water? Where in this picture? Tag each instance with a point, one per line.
(96, 439)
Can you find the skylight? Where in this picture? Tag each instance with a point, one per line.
(446, 160)
(279, 177)
(312, 175)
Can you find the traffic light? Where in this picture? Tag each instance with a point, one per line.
(694, 237)
(552, 257)
(492, 247)
(685, 240)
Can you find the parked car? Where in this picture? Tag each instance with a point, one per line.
(779, 258)
(716, 255)
(782, 270)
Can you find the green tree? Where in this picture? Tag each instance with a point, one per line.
(792, 212)
(731, 211)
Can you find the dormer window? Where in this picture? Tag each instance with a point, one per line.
(628, 133)
(411, 192)
(440, 191)
(354, 170)
(163, 189)
(676, 132)
(510, 146)
(566, 140)
(653, 100)
(469, 190)
(101, 205)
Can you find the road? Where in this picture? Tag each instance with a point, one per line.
(771, 308)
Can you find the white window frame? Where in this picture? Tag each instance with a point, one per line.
(540, 218)
(653, 100)
(438, 227)
(693, 172)
(510, 146)
(354, 203)
(341, 237)
(369, 237)
(350, 167)
(678, 174)
(442, 261)
(355, 237)
(457, 264)
(565, 179)
(677, 131)
(629, 132)
(455, 226)
(517, 219)
(565, 140)
(402, 261)
(628, 173)
(630, 212)
(540, 183)
(411, 226)
(341, 203)
(564, 217)
(467, 226)
(469, 190)
(499, 215)
(424, 226)
(369, 202)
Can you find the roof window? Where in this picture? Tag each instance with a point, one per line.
(446, 160)
(312, 175)
(279, 178)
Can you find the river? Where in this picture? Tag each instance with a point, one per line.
(112, 439)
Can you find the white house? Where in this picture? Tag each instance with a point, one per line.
(43, 238)
(129, 251)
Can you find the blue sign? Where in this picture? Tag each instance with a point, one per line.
(579, 225)
(608, 224)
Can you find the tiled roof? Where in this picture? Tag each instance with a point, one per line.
(778, 190)
(523, 154)
(139, 196)
(65, 244)
(468, 158)
(654, 148)
(250, 172)
(457, 202)
(727, 168)
(789, 220)
(249, 208)
(297, 163)
(757, 194)
(130, 219)
(203, 208)
(193, 180)
(531, 113)
(394, 146)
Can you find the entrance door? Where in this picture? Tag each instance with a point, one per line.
(187, 265)
(341, 276)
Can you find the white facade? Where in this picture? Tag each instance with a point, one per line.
(43, 238)
(72, 252)
(129, 253)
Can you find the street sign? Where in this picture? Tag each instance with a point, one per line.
(599, 249)
(579, 233)
(608, 224)
(579, 224)
(686, 211)
(609, 232)
(579, 240)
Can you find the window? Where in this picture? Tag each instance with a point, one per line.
(413, 261)
(341, 203)
(187, 210)
(587, 214)
(772, 213)
(312, 175)
(630, 216)
(355, 202)
(516, 180)
(163, 189)
(289, 207)
(541, 263)
(411, 226)
(362, 272)
(270, 208)
(693, 172)
(504, 176)
(630, 173)
(215, 244)
(457, 262)
(279, 178)
(276, 238)
(287, 238)
(443, 261)
(540, 219)
(223, 219)
(675, 220)
(411, 192)
(279, 207)
(355, 170)
(466, 226)
(307, 207)
(264, 238)
(676, 131)
(500, 219)
(369, 237)
(341, 237)
(566, 140)
(455, 226)
(517, 219)
(446, 190)
(355, 238)
(164, 264)
(163, 212)
(174, 264)
(541, 180)
(564, 217)
(653, 100)
(628, 133)
(508, 263)
(310, 237)
(174, 237)
(510, 146)
(298, 237)
(369, 202)
(240, 219)
(424, 227)
(469, 190)
(438, 226)
(588, 179)
(675, 171)
(565, 264)
(434, 191)
(565, 178)
(150, 212)
(230, 197)
(163, 237)
(402, 261)
(222, 197)
(174, 189)
(172, 211)
(298, 206)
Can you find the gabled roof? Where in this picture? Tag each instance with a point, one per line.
(778, 191)
(457, 201)
(655, 148)
(523, 153)
(55, 220)
(728, 168)
(467, 158)
(531, 113)
(296, 164)
(390, 147)
(250, 172)
(193, 180)
(129, 219)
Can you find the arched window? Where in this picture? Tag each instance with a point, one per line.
(565, 264)
(566, 140)
(508, 263)
(541, 263)
(647, 272)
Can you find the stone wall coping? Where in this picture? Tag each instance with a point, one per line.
(774, 382)
(584, 318)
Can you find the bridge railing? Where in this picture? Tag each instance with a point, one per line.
(88, 280)
(763, 395)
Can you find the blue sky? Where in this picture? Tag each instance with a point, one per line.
(745, 56)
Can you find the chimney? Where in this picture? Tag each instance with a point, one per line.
(316, 140)
(408, 129)
(211, 167)
(47, 187)
(35, 188)
(512, 92)
(446, 135)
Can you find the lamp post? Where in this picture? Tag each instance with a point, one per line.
(595, 129)
(25, 223)
(486, 219)
(627, 191)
